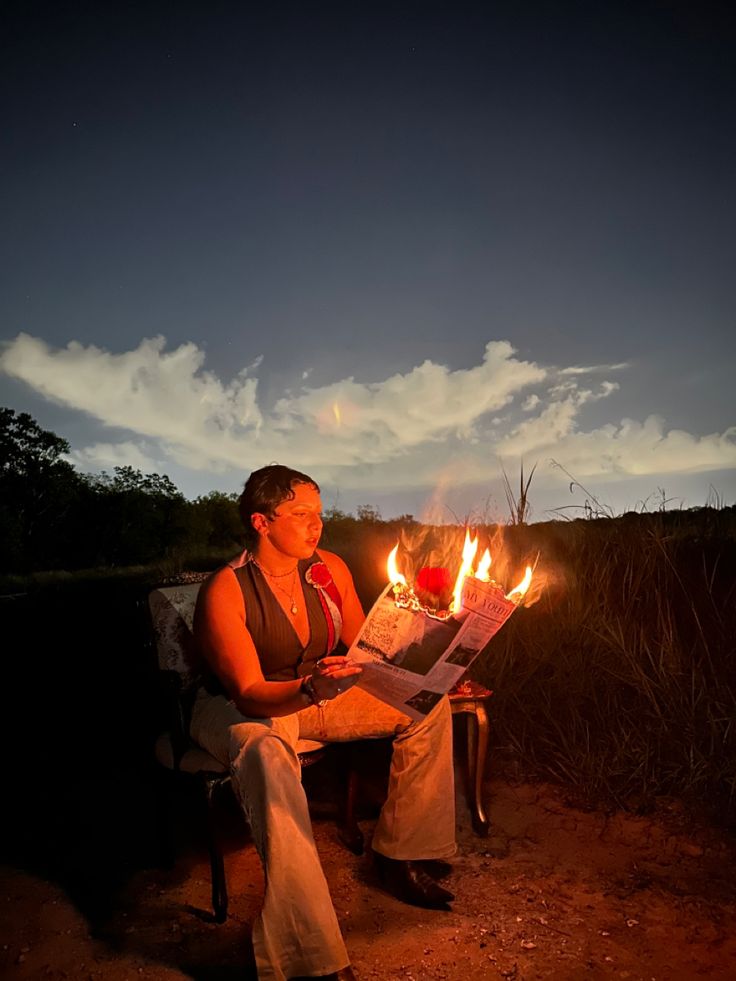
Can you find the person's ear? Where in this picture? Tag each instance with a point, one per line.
(260, 524)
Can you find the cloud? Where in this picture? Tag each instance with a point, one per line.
(640, 449)
(403, 430)
(377, 422)
(593, 369)
(556, 421)
(107, 456)
(203, 423)
(151, 392)
(627, 449)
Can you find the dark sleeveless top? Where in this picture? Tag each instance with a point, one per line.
(280, 651)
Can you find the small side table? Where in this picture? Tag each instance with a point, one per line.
(471, 697)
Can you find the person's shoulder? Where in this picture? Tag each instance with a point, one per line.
(336, 565)
(331, 559)
(221, 589)
(222, 577)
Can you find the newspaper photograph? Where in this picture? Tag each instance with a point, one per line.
(411, 658)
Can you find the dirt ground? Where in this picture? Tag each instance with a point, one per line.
(553, 892)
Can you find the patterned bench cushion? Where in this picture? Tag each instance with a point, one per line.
(172, 616)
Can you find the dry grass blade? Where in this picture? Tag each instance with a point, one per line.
(519, 506)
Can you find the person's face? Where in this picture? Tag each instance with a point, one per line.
(295, 527)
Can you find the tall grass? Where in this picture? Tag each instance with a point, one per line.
(621, 680)
(519, 505)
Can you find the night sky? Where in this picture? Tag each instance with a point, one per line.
(396, 246)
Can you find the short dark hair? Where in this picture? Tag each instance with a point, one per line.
(264, 490)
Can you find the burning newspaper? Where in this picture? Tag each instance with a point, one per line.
(411, 655)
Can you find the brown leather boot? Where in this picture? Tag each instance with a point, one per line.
(438, 868)
(408, 881)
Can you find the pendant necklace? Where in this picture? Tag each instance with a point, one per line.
(289, 595)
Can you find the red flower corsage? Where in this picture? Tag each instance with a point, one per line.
(318, 575)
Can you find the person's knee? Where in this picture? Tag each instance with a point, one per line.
(435, 724)
(443, 710)
(266, 774)
(440, 714)
(262, 754)
(439, 720)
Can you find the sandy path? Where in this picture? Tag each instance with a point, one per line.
(555, 892)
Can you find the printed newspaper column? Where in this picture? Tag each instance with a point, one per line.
(411, 658)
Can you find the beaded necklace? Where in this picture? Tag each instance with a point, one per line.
(289, 594)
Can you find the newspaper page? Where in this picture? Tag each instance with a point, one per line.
(410, 659)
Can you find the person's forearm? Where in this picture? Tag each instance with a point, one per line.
(331, 676)
(271, 699)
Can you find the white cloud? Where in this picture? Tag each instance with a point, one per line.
(107, 456)
(400, 431)
(202, 423)
(638, 449)
(593, 369)
(151, 392)
(556, 421)
(376, 422)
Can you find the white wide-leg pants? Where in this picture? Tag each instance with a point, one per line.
(297, 933)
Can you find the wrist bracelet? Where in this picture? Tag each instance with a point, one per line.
(308, 689)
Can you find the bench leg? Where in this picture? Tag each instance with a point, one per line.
(164, 792)
(347, 825)
(217, 862)
(477, 749)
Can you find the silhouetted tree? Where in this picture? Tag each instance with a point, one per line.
(137, 518)
(214, 521)
(369, 513)
(52, 517)
(37, 491)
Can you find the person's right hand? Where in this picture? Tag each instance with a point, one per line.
(334, 675)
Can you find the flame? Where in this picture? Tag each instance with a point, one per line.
(483, 567)
(394, 576)
(336, 413)
(466, 567)
(518, 591)
(405, 597)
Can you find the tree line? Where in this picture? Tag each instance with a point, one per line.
(54, 517)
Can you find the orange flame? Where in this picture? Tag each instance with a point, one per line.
(482, 572)
(405, 597)
(517, 593)
(394, 576)
(466, 568)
